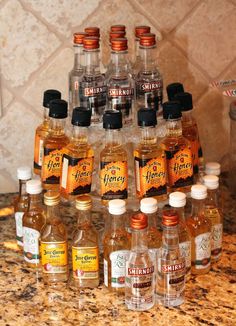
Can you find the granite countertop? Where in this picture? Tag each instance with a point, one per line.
(24, 300)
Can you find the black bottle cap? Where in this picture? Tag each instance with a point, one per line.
(171, 110)
(58, 109)
(185, 99)
(112, 120)
(49, 95)
(147, 117)
(81, 117)
(173, 89)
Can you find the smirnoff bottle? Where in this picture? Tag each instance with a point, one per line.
(139, 30)
(149, 83)
(92, 87)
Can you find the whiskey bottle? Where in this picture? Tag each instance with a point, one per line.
(139, 30)
(173, 89)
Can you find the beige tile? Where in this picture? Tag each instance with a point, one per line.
(25, 43)
(8, 183)
(6, 98)
(208, 35)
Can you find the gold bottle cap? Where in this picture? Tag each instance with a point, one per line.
(83, 202)
(51, 198)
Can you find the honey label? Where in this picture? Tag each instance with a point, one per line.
(85, 262)
(203, 250)
(38, 152)
(31, 245)
(52, 163)
(151, 178)
(114, 180)
(194, 150)
(180, 168)
(77, 175)
(54, 257)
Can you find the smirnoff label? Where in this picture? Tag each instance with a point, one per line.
(140, 271)
(173, 268)
(124, 91)
(150, 86)
(92, 91)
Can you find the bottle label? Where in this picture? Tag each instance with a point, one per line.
(180, 168)
(52, 164)
(151, 93)
(91, 91)
(85, 262)
(203, 250)
(31, 245)
(77, 175)
(38, 152)
(216, 231)
(118, 263)
(19, 228)
(54, 257)
(114, 180)
(194, 150)
(105, 264)
(151, 178)
(185, 251)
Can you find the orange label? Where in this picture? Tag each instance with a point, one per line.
(194, 150)
(52, 163)
(151, 176)
(180, 167)
(38, 152)
(54, 257)
(114, 180)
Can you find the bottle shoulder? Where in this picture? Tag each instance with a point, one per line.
(56, 140)
(77, 150)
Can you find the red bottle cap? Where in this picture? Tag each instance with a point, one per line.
(92, 31)
(118, 28)
(139, 30)
(170, 218)
(148, 39)
(118, 34)
(91, 42)
(78, 37)
(119, 44)
(139, 221)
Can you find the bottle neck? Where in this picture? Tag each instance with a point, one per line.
(92, 62)
(46, 114)
(80, 134)
(170, 237)
(113, 137)
(148, 135)
(22, 188)
(148, 58)
(152, 219)
(34, 201)
(83, 217)
(52, 213)
(137, 54)
(180, 212)
(78, 57)
(139, 240)
(119, 62)
(174, 128)
(198, 207)
(116, 222)
(57, 126)
(187, 117)
(212, 198)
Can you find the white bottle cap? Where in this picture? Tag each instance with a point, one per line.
(177, 199)
(212, 168)
(117, 206)
(24, 173)
(199, 192)
(211, 181)
(33, 187)
(148, 205)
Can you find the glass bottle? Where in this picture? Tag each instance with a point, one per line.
(171, 265)
(113, 159)
(200, 229)
(139, 280)
(54, 145)
(173, 89)
(33, 221)
(116, 246)
(21, 203)
(77, 162)
(53, 242)
(139, 30)
(85, 255)
(177, 149)
(232, 148)
(214, 214)
(149, 159)
(214, 168)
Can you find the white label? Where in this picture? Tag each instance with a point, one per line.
(137, 175)
(216, 240)
(40, 158)
(105, 272)
(203, 250)
(118, 263)
(31, 245)
(64, 172)
(19, 228)
(185, 251)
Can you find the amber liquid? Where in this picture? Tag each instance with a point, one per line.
(42, 131)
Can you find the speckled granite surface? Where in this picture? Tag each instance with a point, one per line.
(24, 300)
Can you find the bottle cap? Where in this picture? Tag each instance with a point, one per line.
(117, 206)
(185, 100)
(212, 168)
(91, 42)
(49, 95)
(24, 173)
(83, 202)
(177, 199)
(170, 218)
(81, 117)
(199, 192)
(148, 39)
(139, 221)
(173, 89)
(171, 110)
(58, 109)
(34, 187)
(112, 120)
(139, 30)
(92, 31)
(211, 181)
(119, 44)
(51, 198)
(148, 205)
(79, 37)
(118, 34)
(118, 28)
(147, 117)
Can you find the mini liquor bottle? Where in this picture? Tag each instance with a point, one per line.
(116, 246)
(33, 221)
(85, 255)
(200, 229)
(120, 86)
(54, 145)
(177, 200)
(173, 89)
(43, 129)
(149, 159)
(149, 83)
(177, 150)
(113, 159)
(139, 30)
(93, 87)
(53, 242)
(171, 266)
(24, 174)
(214, 214)
(77, 163)
(139, 280)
